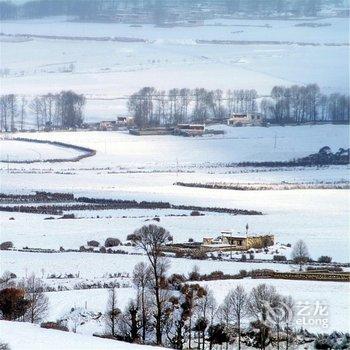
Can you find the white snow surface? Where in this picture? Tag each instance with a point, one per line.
(145, 168)
(12, 150)
(171, 58)
(25, 336)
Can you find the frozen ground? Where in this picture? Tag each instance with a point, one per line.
(145, 168)
(114, 69)
(90, 265)
(19, 151)
(25, 336)
(120, 149)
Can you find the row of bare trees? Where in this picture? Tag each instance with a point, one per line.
(295, 104)
(152, 107)
(62, 110)
(170, 311)
(301, 104)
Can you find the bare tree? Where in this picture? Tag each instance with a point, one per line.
(206, 311)
(112, 313)
(300, 254)
(151, 239)
(36, 108)
(262, 299)
(39, 302)
(234, 308)
(141, 278)
(23, 112)
(4, 112)
(7, 280)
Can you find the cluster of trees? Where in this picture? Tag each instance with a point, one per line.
(300, 104)
(62, 110)
(169, 312)
(151, 107)
(294, 104)
(162, 9)
(22, 301)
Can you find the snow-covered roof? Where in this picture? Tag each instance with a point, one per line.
(231, 233)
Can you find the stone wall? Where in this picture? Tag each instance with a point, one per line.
(259, 242)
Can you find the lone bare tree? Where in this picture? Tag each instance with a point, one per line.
(150, 239)
(39, 302)
(235, 308)
(300, 254)
(141, 278)
(113, 312)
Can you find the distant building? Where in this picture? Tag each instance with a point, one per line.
(125, 121)
(245, 120)
(230, 240)
(108, 125)
(120, 122)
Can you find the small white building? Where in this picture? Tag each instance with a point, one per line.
(245, 119)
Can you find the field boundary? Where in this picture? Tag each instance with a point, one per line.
(88, 152)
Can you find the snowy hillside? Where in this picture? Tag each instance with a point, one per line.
(25, 336)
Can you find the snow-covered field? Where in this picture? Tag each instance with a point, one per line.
(171, 58)
(146, 168)
(25, 336)
(19, 151)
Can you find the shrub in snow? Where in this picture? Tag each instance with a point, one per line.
(190, 240)
(6, 245)
(4, 346)
(93, 243)
(198, 254)
(195, 213)
(54, 325)
(335, 340)
(243, 257)
(13, 303)
(243, 273)
(179, 254)
(68, 216)
(112, 242)
(103, 249)
(279, 258)
(82, 249)
(131, 237)
(324, 259)
(176, 280)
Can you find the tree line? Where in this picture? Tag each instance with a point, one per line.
(63, 110)
(160, 10)
(301, 104)
(295, 104)
(152, 107)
